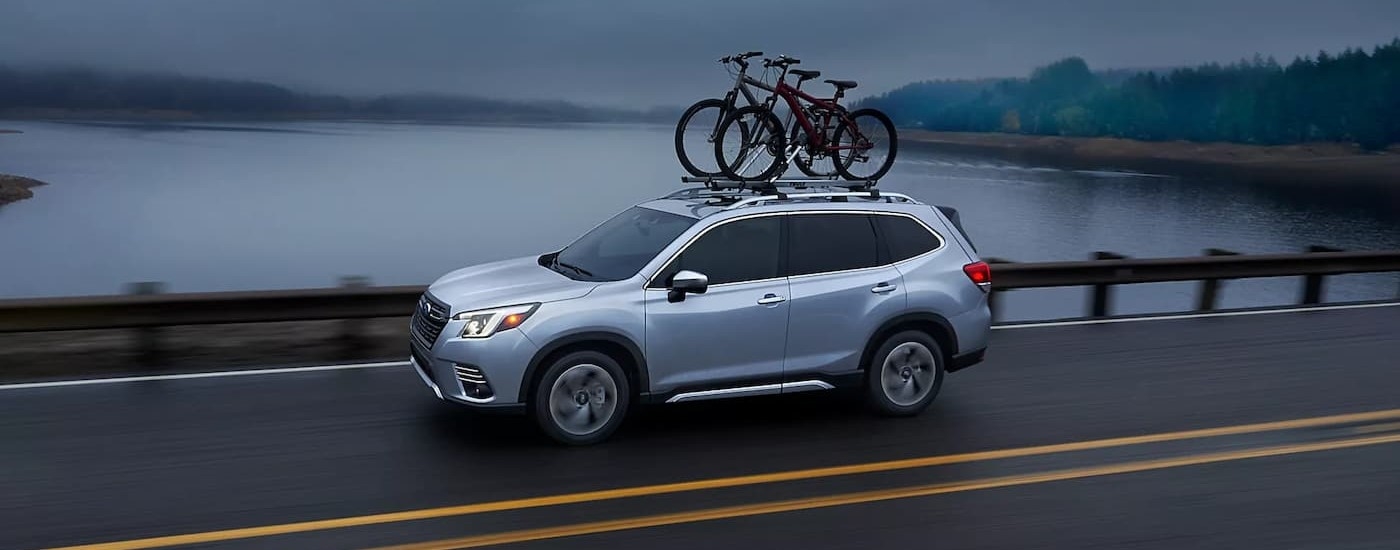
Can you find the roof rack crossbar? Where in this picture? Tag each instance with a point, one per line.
(871, 194)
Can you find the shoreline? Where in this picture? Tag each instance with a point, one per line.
(1306, 163)
(17, 188)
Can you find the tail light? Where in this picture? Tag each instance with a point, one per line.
(979, 273)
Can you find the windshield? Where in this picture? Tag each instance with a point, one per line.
(619, 247)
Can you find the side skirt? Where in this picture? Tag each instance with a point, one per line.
(750, 388)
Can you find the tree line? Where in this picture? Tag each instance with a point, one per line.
(83, 89)
(1353, 96)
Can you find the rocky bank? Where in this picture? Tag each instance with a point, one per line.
(16, 188)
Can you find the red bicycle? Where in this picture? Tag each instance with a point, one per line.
(753, 144)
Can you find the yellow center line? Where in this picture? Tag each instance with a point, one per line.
(1374, 428)
(882, 495)
(726, 482)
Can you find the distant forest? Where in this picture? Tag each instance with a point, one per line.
(79, 90)
(1353, 97)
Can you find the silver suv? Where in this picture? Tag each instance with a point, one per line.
(703, 295)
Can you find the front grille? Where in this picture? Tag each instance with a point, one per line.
(429, 317)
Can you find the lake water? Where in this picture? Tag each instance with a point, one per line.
(291, 205)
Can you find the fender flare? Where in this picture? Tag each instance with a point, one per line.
(633, 350)
(887, 327)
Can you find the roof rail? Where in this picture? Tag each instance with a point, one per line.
(871, 194)
(699, 192)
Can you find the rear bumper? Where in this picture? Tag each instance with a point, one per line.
(966, 360)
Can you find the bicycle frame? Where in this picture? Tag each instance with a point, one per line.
(816, 140)
(742, 85)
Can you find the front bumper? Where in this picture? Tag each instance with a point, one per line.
(454, 368)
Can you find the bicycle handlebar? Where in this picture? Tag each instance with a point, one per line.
(739, 58)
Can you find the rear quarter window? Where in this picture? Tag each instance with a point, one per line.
(905, 237)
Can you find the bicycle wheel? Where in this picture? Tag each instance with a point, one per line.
(750, 145)
(695, 130)
(873, 137)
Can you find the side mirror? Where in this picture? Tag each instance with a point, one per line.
(687, 282)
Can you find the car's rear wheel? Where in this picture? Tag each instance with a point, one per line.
(904, 374)
(581, 399)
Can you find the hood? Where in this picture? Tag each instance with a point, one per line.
(504, 283)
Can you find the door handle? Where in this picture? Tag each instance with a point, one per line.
(770, 299)
(882, 288)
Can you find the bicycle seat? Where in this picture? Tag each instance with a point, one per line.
(841, 84)
(805, 75)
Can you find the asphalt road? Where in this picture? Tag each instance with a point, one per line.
(124, 462)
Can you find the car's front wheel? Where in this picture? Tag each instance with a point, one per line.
(904, 374)
(581, 399)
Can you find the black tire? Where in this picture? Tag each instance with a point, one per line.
(855, 171)
(766, 131)
(887, 401)
(597, 365)
(706, 153)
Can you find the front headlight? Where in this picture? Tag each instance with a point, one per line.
(485, 322)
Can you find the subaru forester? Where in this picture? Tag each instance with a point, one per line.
(705, 294)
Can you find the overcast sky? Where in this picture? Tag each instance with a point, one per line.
(650, 52)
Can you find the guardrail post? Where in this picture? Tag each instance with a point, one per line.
(1312, 284)
(1099, 303)
(149, 351)
(352, 331)
(994, 303)
(1210, 288)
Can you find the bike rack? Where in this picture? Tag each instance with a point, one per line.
(718, 183)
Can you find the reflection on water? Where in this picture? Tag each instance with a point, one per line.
(256, 206)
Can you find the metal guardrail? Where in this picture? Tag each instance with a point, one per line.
(1217, 265)
(143, 310)
(145, 307)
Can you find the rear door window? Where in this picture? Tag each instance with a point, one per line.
(823, 243)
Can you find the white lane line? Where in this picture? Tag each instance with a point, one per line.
(193, 375)
(1173, 317)
(348, 366)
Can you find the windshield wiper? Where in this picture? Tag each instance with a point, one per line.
(576, 269)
